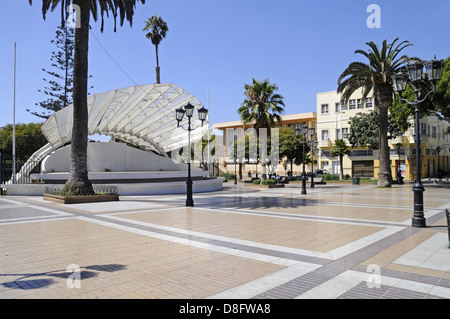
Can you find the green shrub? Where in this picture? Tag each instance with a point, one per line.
(227, 176)
(331, 177)
(268, 182)
(256, 181)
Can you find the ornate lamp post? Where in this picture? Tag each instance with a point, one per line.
(414, 76)
(438, 150)
(398, 146)
(235, 159)
(179, 114)
(312, 132)
(303, 129)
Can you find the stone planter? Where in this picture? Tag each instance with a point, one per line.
(81, 199)
(265, 186)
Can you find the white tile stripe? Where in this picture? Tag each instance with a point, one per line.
(433, 253)
(14, 221)
(336, 286)
(325, 219)
(31, 218)
(218, 237)
(333, 254)
(361, 243)
(193, 243)
(267, 282)
(345, 281)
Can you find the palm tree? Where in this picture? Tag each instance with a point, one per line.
(376, 76)
(340, 149)
(262, 106)
(158, 29)
(78, 182)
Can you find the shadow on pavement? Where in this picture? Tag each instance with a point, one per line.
(26, 281)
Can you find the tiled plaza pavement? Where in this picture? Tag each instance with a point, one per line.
(338, 241)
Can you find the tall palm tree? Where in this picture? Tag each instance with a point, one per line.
(262, 106)
(158, 29)
(376, 76)
(78, 182)
(340, 149)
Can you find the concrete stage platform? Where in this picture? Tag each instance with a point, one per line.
(128, 183)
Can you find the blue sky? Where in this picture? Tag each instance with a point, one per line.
(302, 46)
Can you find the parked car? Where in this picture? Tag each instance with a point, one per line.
(321, 172)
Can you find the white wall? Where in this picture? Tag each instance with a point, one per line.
(114, 157)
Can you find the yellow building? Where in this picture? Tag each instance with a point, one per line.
(333, 123)
(286, 121)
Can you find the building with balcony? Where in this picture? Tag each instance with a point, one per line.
(228, 166)
(333, 123)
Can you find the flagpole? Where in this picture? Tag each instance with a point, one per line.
(14, 123)
(208, 164)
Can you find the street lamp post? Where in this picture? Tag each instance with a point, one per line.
(414, 77)
(312, 132)
(438, 150)
(303, 129)
(179, 114)
(399, 171)
(235, 161)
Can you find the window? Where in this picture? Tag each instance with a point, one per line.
(352, 104)
(433, 132)
(423, 129)
(325, 136)
(345, 132)
(343, 107)
(338, 107)
(395, 152)
(358, 104)
(369, 102)
(324, 108)
(361, 153)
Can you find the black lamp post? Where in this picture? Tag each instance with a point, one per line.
(303, 129)
(235, 160)
(398, 146)
(438, 150)
(312, 132)
(414, 77)
(179, 114)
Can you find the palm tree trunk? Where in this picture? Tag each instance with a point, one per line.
(158, 75)
(384, 97)
(78, 182)
(341, 167)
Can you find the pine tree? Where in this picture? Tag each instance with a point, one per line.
(60, 82)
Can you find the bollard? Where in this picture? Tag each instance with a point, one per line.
(447, 213)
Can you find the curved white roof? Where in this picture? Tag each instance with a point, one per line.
(143, 115)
